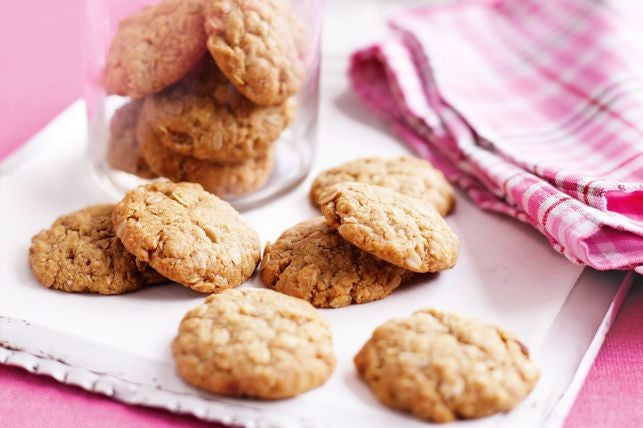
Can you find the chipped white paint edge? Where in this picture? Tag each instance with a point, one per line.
(133, 393)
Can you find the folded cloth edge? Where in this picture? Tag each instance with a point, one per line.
(597, 252)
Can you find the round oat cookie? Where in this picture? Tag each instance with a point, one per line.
(441, 366)
(123, 148)
(313, 262)
(220, 179)
(402, 230)
(254, 343)
(257, 45)
(155, 47)
(408, 175)
(80, 253)
(205, 117)
(188, 235)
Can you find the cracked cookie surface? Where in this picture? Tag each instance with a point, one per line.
(408, 175)
(80, 253)
(221, 179)
(188, 235)
(311, 261)
(155, 47)
(257, 45)
(402, 230)
(123, 148)
(254, 343)
(205, 117)
(441, 366)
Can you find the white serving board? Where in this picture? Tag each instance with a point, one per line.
(119, 345)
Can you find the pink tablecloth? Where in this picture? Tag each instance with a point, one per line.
(40, 75)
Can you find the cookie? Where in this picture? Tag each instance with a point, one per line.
(205, 117)
(313, 262)
(254, 343)
(80, 253)
(122, 147)
(441, 366)
(220, 179)
(155, 47)
(408, 175)
(257, 44)
(402, 230)
(188, 235)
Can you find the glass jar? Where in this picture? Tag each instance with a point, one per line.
(220, 92)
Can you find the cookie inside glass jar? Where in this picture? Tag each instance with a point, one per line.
(224, 86)
(154, 48)
(205, 117)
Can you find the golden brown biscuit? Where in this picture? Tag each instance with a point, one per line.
(155, 47)
(123, 148)
(441, 366)
(223, 180)
(254, 343)
(188, 235)
(408, 175)
(313, 262)
(257, 45)
(80, 253)
(205, 117)
(402, 230)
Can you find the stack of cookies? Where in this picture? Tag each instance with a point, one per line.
(159, 232)
(382, 223)
(212, 85)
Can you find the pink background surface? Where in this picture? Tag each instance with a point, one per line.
(40, 74)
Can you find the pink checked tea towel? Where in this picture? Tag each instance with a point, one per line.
(534, 108)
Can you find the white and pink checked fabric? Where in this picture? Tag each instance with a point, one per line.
(534, 108)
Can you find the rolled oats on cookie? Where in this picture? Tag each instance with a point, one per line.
(313, 262)
(402, 230)
(155, 47)
(441, 366)
(254, 343)
(408, 175)
(224, 180)
(257, 44)
(188, 235)
(81, 253)
(205, 117)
